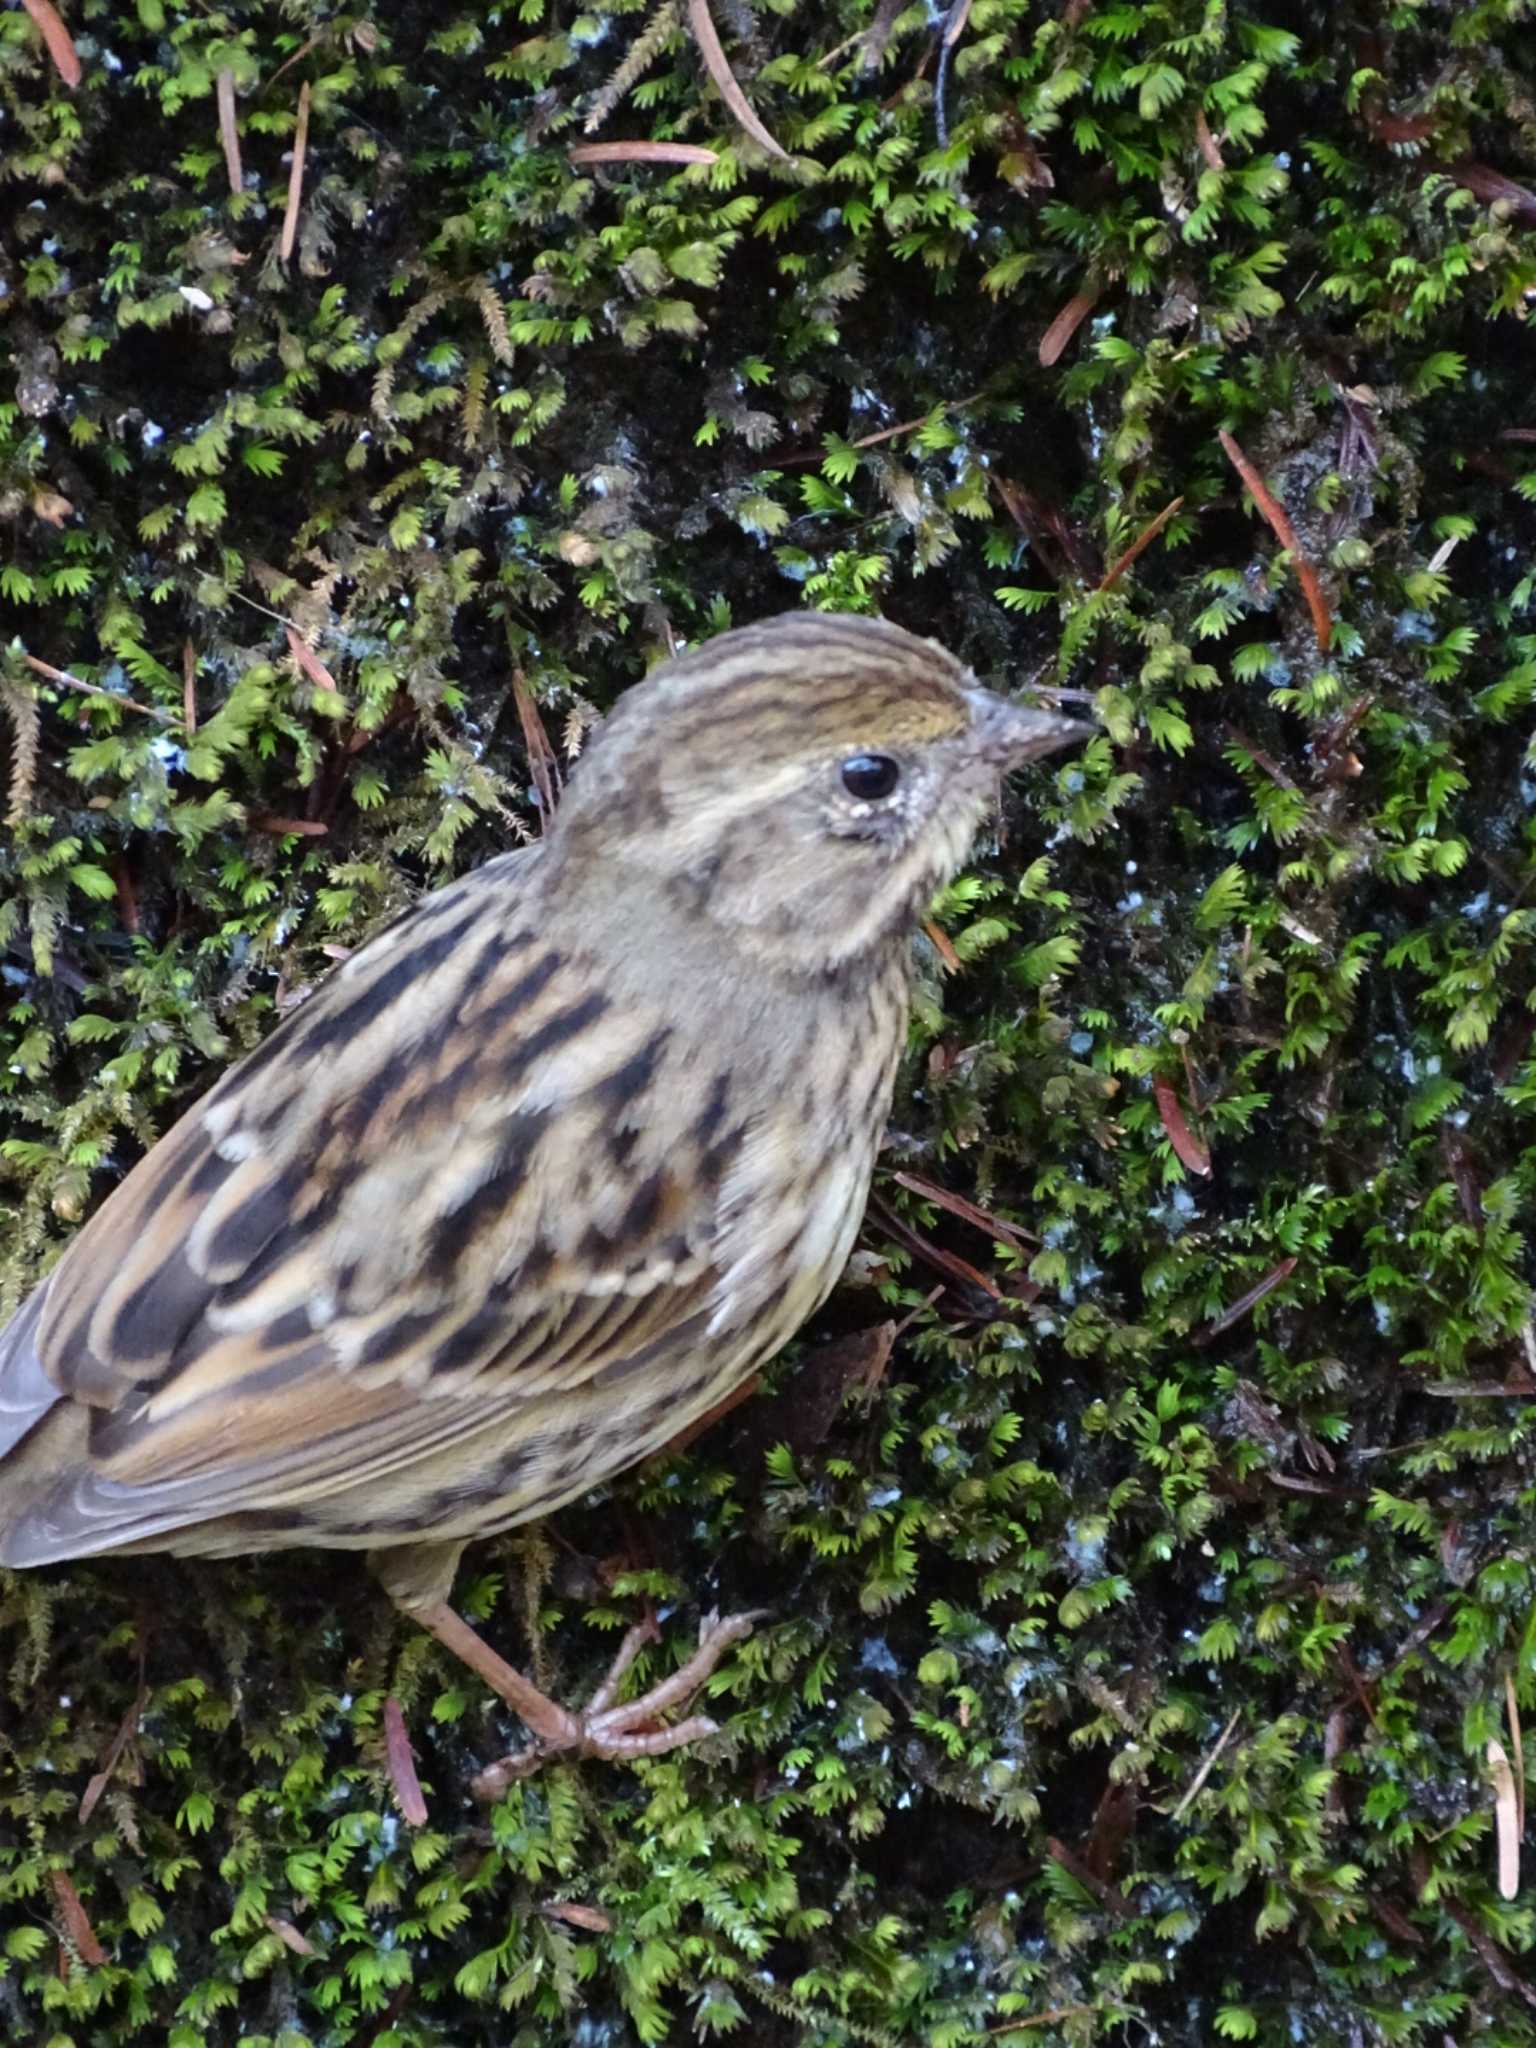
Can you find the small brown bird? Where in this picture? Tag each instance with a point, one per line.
(542, 1172)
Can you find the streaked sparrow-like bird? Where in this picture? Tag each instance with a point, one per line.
(542, 1172)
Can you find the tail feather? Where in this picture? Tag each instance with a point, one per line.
(26, 1392)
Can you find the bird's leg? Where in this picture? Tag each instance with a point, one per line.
(555, 1727)
(418, 1578)
(616, 1733)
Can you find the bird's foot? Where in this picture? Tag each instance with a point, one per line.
(617, 1733)
(602, 1729)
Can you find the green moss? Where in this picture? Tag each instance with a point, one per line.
(1138, 1636)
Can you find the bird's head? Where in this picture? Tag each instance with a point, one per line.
(807, 782)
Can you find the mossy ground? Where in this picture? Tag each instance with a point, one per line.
(1139, 1634)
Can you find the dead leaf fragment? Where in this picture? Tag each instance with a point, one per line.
(310, 662)
(1186, 1145)
(401, 1765)
(1506, 1819)
(592, 1918)
(641, 153)
(1280, 524)
(56, 40)
(51, 507)
(290, 1936)
(75, 1920)
(1061, 330)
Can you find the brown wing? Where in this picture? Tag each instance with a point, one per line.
(435, 1194)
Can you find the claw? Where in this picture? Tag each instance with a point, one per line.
(619, 1733)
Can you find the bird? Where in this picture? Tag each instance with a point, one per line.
(542, 1173)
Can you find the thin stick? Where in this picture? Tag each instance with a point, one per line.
(188, 686)
(641, 153)
(940, 940)
(968, 1212)
(69, 682)
(295, 176)
(1518, 1744)
(1206, 1768)
(707, 37)
(1244, 1303)
(1139, 545)
(542, 763)
(229, 133)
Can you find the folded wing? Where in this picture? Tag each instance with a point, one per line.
(377, 1240)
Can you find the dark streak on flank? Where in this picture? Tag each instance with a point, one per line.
(553, 1032)
(616, 1091)
(502, 1007)
(713, 1114)
(716, 1162)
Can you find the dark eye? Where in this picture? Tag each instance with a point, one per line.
(870, 776)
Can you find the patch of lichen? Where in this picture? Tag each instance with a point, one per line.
(1136, 1641)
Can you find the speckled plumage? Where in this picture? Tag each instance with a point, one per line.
(545, 1169)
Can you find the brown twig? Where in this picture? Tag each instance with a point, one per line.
(188, 686)
(1139, 545)
(641, 153)
(1244, 1303)
(1108, 1895)
(691, 1433)
(1042, 2019)
(542, 764)
(127, 1729)
(277, 825)
(295, 176)
(229, 132)
(69, 682)
(591, 1919)
(1280, 523)
(1260, 759)
(957, 1205)
(935, 1255)
(289, 1935)
(864, 441)
(288, 62)
(705, 34)
(1506, 1818)
(127, 896)
(1494, 189)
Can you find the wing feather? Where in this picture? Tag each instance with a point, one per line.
(433, 1202)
